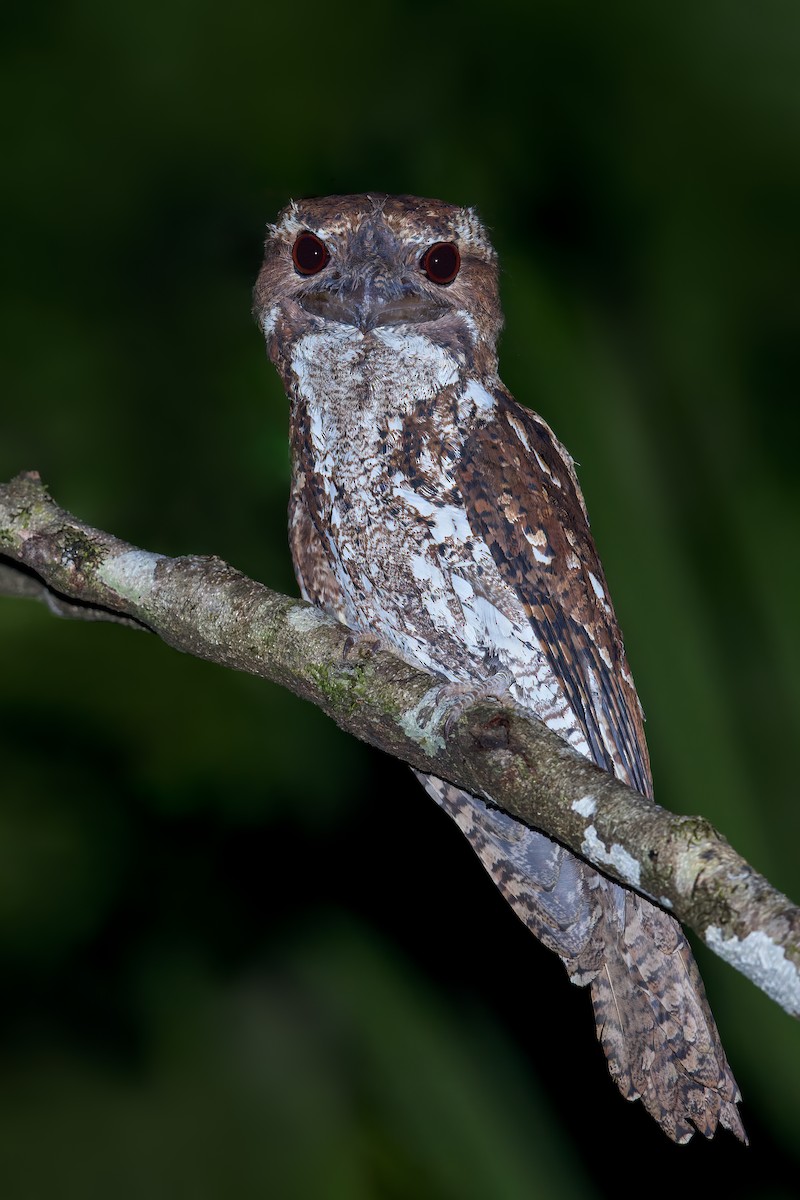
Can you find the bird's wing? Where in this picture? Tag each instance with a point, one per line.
(523, 500)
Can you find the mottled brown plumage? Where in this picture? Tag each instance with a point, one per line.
(431, 510)
(520, 490)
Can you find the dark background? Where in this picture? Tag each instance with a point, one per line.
(242, 955)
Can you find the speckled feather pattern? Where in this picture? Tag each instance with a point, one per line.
(433, 511)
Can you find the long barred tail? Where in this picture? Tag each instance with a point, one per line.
(653, 1019)
(655, 1024)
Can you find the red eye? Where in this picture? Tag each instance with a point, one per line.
(441, 262)
(309, 254)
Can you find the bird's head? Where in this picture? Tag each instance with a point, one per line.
(360, 266)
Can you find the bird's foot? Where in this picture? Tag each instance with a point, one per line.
(363, 643)
(458, 697)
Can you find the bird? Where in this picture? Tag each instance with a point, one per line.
(432, 512)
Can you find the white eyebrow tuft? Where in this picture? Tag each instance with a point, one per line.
(468, 226)
(288, 221)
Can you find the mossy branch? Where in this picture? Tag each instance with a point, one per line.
(204, 607)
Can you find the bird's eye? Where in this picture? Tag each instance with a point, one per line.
(441, 262)
(309, 254)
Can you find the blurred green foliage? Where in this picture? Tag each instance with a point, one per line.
(241, 955)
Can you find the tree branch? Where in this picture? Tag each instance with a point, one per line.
(204, 607)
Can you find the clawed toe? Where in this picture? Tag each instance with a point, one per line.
(363, 642)
(459, 696)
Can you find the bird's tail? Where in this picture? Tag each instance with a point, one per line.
(653, 1020)
(655, 1024)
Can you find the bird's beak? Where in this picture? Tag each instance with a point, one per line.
(371, 304)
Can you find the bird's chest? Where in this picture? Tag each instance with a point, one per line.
(376, 453)
(377, 437)
(382, 483)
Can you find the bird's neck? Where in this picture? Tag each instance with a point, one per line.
(348, 375)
